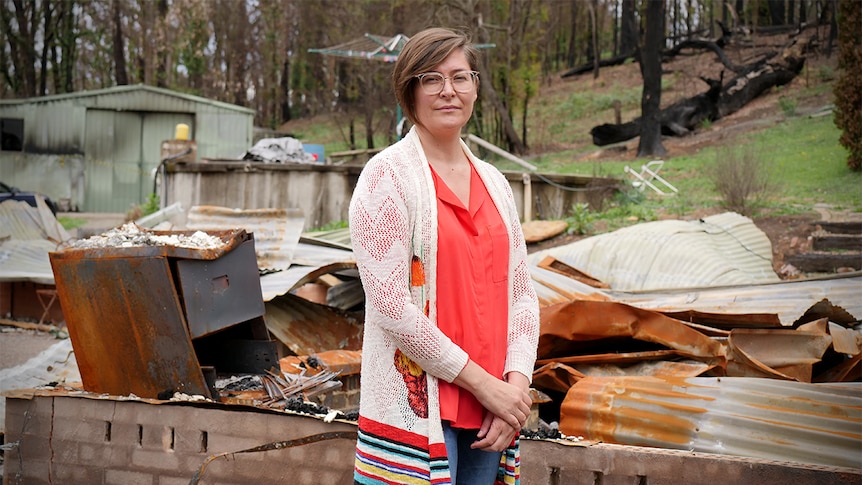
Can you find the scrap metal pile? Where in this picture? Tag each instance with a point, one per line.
(672, 334)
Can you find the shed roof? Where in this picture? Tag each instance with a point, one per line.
(128, 89)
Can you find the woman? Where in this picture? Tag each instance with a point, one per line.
(451, 318)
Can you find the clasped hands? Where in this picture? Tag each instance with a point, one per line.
(507, 403)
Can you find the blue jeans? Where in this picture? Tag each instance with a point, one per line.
(469, 466)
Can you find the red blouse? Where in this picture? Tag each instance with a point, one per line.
(472, 296)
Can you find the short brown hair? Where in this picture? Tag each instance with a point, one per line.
(421, 53)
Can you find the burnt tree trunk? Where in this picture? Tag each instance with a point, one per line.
(676, 120)
(680, 118)
(650, 64)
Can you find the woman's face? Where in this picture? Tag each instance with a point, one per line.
(448, 110)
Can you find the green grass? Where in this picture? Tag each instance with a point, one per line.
(70, 223)
(806, 166)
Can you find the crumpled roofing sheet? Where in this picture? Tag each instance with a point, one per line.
(586, 334)
(27, 235)
(720, 250)
(787, 299)
(307, 328)
(750, 417)
(19, 220)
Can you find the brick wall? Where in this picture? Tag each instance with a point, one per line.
(79, 440)
(71, 440)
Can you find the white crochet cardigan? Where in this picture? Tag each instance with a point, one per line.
(393, 215)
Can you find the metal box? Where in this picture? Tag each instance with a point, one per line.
(133, 312)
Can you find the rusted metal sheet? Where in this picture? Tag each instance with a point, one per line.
(602, 338)
(553, 264)
(120, 243)
(845, 340)
(748, 417)
(726, 320)
(308, 328)
(343, 362)
(553, 287)
(221, 292)
(775, 353)
(789, 300)
(565, 327)
(126, 323)
(19, 220)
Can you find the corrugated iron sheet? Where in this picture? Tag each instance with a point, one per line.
(725, 249)
(750, 417)
(27, 235)
(553, 287)
(26, 261)
(787, 299)
(308, 328)
(19, 220)
(276, 231)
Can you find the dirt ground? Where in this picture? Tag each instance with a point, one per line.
(17, 346)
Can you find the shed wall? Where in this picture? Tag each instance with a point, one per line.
(323, 192)
(114, 137)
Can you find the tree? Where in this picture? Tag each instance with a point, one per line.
(66, 38)
(119, 45)
(848, 86)
(650, 65)
(628, 28)
(20, 26)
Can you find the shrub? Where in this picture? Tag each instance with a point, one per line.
(788, 105)
(580, 219)
(742, 179)
(848, 86)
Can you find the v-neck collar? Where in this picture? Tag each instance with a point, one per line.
(445, 194)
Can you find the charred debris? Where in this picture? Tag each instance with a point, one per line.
(624, 357)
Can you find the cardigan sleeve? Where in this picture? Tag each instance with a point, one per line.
(381, 218)
(523, 335)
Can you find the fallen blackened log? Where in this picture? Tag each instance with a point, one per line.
(613, 61)
(754, 81)
(683, 116)
(676, 120)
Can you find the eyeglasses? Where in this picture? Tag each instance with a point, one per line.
(462, 81)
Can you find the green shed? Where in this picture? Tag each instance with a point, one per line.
(97, 151)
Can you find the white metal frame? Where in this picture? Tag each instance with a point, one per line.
(649, 172)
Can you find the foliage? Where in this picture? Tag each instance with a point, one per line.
(628, 207)
(152, 204)
(848, 87)
(788, 105)
(260, 55)
(69, 223)
(136, 211)
(580, 220)
(331, 226)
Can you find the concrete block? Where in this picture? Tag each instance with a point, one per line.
(126, 477)
(76, 474)
(155, 460)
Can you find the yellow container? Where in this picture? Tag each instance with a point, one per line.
(181, 132)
